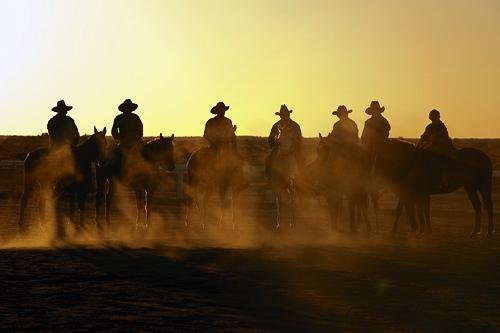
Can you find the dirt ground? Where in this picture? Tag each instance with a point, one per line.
(253, 279)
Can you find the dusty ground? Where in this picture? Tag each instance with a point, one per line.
(308, 279)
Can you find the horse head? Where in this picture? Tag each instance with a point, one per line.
(101, 143)
(162, 151)
(323, 149)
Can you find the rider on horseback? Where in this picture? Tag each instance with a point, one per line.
(285, 127)
(64, 137)
(345, 130)
(435, 137)
(62, 128)
(376, 130)
(436, 140)
(128, 131)
(219, 130)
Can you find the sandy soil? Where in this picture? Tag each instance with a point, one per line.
(307, 279)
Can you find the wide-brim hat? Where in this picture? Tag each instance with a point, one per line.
(283, 110)
(342, 109)
(127, 106)
(61, 106)
(219, 108)
(374, 108)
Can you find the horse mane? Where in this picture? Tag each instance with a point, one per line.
(402, 142)
(86, 140)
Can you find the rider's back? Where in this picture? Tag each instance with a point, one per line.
(219, 130)
(62, 131)
(128, 129)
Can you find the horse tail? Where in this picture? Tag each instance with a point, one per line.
(28, 168)
(486, 182)
(189, 181)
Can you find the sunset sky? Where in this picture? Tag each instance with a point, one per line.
(176, 59)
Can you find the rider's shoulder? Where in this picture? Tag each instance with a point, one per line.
(351, 122)
(294, 123)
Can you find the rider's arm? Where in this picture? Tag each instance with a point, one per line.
(272, 136)
(298, 136)
(76, 134)
(114, 131)
(207, 133)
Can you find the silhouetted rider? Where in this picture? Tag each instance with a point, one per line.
(127, 131)
(435, 137)
(376, 130)
(345, 130)
(219, 130)
(62, 128)
(127, 127)
(285, 127)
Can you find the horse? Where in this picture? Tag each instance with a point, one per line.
(418, 174)
(212, 169)
(282, 173)
(62, 171)
(343, 169)
(139, 171)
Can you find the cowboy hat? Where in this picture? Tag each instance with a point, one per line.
(127, 106)
(61, 106)
(283, 111)
(342, 109)
(219, 108)
(374, 107)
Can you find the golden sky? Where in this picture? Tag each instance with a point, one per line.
(176, 59)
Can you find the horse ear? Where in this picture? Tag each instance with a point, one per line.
(172, 136)
(95, 130)
(320, 136)
(104, 130)
(161, 136)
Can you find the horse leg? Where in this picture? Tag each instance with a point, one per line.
(188, 204)
(28, 190)
(376, 208)
(399, 211)
(141, 208)
(351, 203)
(421, 215)
(204, 206)
(71, 202)
(100, 197)
(333, 205)
(148, 207)
(223, 204)
(427, 213)
(277, 200)
(49, 196)
(409, 207)
(488, 205)
(81, 198)
(292, 205)
(233, 209)
(364, 211)
(109, 197)
(476, 204)
(42, 202)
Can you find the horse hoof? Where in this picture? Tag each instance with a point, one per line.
(475, 234)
